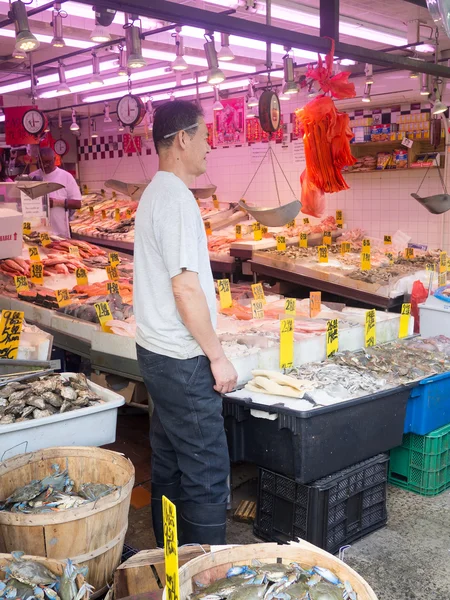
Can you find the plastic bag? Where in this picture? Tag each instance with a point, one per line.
(418, 295)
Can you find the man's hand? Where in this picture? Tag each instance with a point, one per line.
(224, 374)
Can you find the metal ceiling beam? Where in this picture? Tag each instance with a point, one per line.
(329, 19)
(189, 15)
(30, 13)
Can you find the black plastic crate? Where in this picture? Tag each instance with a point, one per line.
(307, 445)
(330, 512)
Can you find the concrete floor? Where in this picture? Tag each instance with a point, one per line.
(409, 559)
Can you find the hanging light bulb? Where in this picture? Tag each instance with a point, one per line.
(58, 16)
(368, 70)
(74, 125)
(179, 64)
(424, 85)
(290, 86)
(366, 96)
(107, 118)
(252, 100)
(62, 88)
(214, 75)
(135, 60)
(439, 107)
(225, 53)
(25, 40)
(96, 79)
(123, 70)
(217, 103)
(103, 19)
(94, 133)
(19, 54)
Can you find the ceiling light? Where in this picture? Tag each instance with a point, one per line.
(96, 79)
(62, 88)
(19, 54)
(94, 133)
(74, 125)
(413, 75)
(120, 127)
(368, 70)
(103, 19)
(283, 96)
(439, 108)
(215, 75)
(123, 70)
(135, 60)
(225, 52)
(251, 113)
(425, 48)
(252, 100)
(47, 127)
(424, 87)
(58, 16)
(290, 87)
(179, 64)
(366, 96)
(107, 118)
(217, 103)
(25, 40)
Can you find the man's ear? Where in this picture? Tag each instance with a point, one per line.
(181, 138)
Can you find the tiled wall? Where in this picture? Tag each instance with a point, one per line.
(379, 202)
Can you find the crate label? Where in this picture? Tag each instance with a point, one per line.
(238, 232)
(332, 337)
(365, 261)
(171, 549)
(409, 253)
(388, 239)
(112, 273)
(114, 259)
(257, 233)
(286, 343)
(208, 228)
(37, 273)
(74, 251)
(226, 300)
(62, 297)
(290, 306)
(315, 303)
(112, 287)
(10, 331)
(104, 315)
(281, 243)
(21, 283)
(257, 309)
(370, 331)
(404, 320)
(45, 239)
(258, 292)
(26, 228)
(327, 238)
(81, 275)
(117, 215)
(323, 254)
(33, 251)
(345, 247)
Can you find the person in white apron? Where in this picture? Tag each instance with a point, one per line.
(63, 200)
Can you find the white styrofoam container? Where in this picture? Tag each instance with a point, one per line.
(434, 318)
(10, 233)
(91, 426)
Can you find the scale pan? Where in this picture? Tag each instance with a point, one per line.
(274, 217)
(436, 205)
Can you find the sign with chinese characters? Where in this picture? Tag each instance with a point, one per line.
(257, 309)
(33, 251)
(323, 254)
(315, 302)
(112, 273)
(365, 261)
(345, 247)
(339, 219)
(258, 292)
(409, 253)
(332, 337)
(114, 259)
(45, 239)
(290, 306)
(62, 297)
(37, 273)
(21, 283)
(223, 286)
(404, 320)
(229, 123)
(104, 315)
(132, 143)
(286, 343)
(388, 239)
(238, 232)
(112, 287)
(281, 243)
(370, 332)
(208, 228)
(257, 232)
(15, 132)
(327, 238)
(171, 549)
(74, 251)
(303, 241)
(81, 275)
(10, 330)
(26, 228)
(443, 262)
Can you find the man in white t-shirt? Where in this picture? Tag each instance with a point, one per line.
(63, 200)
(180, 356)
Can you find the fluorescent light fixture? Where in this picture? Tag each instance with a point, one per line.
(62, 88)
(217, 103)
(58, 15)
(18, 54)
(290, 86)
(366, 96)
(252, 100)
(135, 60)
(215, 75)
(96, 79)
(424, 85)
(103, 19)
(94, 133)
(100, 35)
(25, 40)
(74, 125)
(439, 107)
(225, 52)
(426, 48)
(179, 64)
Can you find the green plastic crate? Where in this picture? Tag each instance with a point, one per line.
(422, 463)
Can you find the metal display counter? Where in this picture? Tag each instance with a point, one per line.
(127, 247)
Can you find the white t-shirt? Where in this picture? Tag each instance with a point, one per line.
(169, 237)
(59, 217)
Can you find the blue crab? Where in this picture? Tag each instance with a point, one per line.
(28, 571)
(67, 585)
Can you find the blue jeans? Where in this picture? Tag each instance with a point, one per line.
(190, 461)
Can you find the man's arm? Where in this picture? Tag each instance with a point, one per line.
(67, 204)
(193, 308)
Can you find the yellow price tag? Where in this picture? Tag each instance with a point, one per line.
(62, 297)
(112, 287)
(45, 239)
(33, 251)
(430, 267)
(112, 273)
(104, 315)
(208, 228)
(238, 232)
(257, 309)
(365, 261)
(327, 238)
(223, 286)
(103, 214)
(264, 229)
(21, 283)
(37, 273)
(258, 292)
(114, 259)
(291, 224)
(387, 239)
(409, 253)
(323, 254)
(91, 211)
(315, 303)
(345, 247)
(370, 330)
(281, 243)
(442, 279)
(443, 262)
(290, 306)
(10, 330)
(257, 233)
(332, 337)
(339, 219)
(404, 320)
(171, 549)
(366, 245)
(26, 228)
(306, 221)
(286, 343)
(81, 275)
(390, 257)
(215, 201)
(128, 213)
(74, 251)
(117, 215)
(303, 241)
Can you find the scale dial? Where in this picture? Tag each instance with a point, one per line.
(130, 110)
(34, 121)
(269, 111)
(61, 147)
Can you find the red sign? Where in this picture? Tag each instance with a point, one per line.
(229, 123)
(132, 143)
(14, 129)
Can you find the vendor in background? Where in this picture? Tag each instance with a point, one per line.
(63, 200)
(180, 356)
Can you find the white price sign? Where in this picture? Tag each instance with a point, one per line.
(406, 142)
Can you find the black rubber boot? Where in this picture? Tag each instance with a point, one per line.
(203, 523)
(172, 492)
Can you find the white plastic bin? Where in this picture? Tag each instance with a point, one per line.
(434, 317)
(90, 426)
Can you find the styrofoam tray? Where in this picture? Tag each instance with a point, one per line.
(91, 426)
